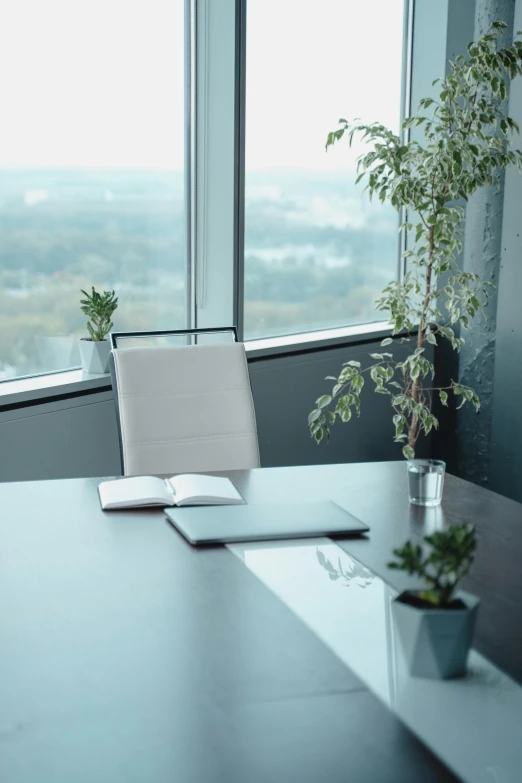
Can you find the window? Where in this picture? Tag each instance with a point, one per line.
(316, 252)
(91, 171)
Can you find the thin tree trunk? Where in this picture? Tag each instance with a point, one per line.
(413, 431)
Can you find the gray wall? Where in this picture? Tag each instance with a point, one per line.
(78, 437)
(485, 448)
(59, 439)
(506, 451)
(482, 256)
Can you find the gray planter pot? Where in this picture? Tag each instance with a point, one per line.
(94, 355)
(435, 642)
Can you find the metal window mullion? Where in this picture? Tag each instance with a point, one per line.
(191, 159)
(213, 164)
(407, 64)
(202, 103)
(239, 162)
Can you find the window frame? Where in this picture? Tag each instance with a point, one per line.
(225, 264)
(405, 110)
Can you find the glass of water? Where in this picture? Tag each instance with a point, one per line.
(425, 481)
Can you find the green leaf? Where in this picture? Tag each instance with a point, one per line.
(323, 401)
(314, 415)
(415, 371)
(357, 383)
(346, 374)
(345, 413)
(443, 397)
(408, 452)
(387, 341)
(378, 356)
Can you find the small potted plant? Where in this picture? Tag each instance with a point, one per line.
(95, 350)
(435, 626)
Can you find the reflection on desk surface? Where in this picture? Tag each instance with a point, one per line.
(474, 724)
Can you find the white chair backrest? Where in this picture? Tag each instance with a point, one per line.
(185, 409)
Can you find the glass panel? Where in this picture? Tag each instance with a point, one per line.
(317, 253)
(91, 172)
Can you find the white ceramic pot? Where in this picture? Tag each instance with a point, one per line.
(435, 642)
(94, 355)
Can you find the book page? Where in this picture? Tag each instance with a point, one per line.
(134, 491)
(197, 489)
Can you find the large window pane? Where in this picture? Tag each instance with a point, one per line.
(91, 171)
(316, 252)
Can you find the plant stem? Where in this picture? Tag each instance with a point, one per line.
(413, 431)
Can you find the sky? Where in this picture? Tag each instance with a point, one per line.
(310, 62)
(95, 83)
(92, 83)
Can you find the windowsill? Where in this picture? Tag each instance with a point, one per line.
(38, 389)
(314, 341)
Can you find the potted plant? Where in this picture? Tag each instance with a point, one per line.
(95, 350)
(435, 626)
(466, 144)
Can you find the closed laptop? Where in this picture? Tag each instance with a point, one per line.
(263, 522)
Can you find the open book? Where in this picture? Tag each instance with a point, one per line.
(184, 490)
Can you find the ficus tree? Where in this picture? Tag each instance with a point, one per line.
(466, 142)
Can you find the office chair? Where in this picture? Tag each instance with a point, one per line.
(183, 409)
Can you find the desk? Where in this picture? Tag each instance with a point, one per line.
(128, 656)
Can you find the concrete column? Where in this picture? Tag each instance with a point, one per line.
(482, 251)
(506, 452)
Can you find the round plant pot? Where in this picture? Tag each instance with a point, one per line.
(94, 355)
(435, 642)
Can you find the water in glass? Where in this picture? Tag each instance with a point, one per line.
(425, 481)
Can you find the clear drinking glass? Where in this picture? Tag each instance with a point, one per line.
(425, 481)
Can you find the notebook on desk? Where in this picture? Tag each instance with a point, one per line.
(263, 522)
(182, 490)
